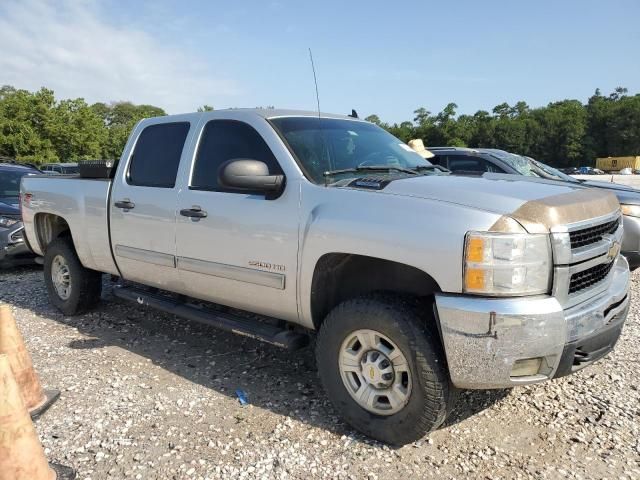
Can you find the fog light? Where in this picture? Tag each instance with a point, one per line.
(526, 367)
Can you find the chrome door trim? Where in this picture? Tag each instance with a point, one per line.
(231, 272)
(148, 256)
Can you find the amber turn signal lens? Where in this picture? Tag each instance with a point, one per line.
(474, 279)
(475, 250)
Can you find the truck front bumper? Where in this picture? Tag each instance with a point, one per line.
(501, 343)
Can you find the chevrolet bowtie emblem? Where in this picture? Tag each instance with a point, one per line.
(614, 249)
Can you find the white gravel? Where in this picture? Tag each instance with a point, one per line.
(147, 396)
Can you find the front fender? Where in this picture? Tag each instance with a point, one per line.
(425, 234)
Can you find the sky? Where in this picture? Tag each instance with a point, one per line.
(382, 57)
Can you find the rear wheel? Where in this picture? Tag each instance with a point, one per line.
(383, 369)
(72, 288)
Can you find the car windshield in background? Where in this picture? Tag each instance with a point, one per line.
(553, 172)
(10, 183)
(327, 145)
(531, 167)
(521, 164)
(70, 170)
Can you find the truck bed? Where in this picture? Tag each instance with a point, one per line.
(82, 203)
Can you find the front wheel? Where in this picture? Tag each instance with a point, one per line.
(72, 288)
(383, 369)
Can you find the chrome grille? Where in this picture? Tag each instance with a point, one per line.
(583, 257)
(591, 235)
(589, 277)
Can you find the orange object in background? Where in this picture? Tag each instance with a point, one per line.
(21, 455)
(12, 345)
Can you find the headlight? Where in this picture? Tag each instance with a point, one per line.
(631, 210)
(507, 264)
(7, 222)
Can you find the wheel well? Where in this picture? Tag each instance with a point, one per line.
(49, 227)
(340, 276)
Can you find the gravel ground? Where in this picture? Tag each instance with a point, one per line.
(147, 396)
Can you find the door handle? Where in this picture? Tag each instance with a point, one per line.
(125, 204)
(193, 212)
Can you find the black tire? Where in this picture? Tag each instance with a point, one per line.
(85, 284)
(432, 396)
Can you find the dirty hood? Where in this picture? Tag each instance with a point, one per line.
(537, 207)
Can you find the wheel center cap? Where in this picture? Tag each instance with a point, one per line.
(376, 369)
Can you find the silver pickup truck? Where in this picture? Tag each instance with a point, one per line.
(418, 283)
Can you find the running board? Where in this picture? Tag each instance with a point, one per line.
(265, 332)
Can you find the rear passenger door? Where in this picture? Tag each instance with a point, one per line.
(143, 203)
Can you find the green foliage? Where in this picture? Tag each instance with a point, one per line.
(119, 119)
(36, 128)
(565, 133)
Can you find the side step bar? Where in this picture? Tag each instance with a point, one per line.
(265, 332)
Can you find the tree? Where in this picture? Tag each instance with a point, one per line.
(25, 119)
(76, 131)
(36, 127)
(373, 119)
(120, 118)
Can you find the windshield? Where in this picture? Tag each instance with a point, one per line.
(325, 144)
(72, 170)
(10, 183)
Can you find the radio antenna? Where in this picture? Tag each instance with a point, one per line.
(315, 80)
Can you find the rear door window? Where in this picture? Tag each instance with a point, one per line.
(156, 156)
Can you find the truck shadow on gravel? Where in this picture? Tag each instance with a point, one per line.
(283, 382)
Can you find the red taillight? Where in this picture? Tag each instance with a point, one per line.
(26, 199)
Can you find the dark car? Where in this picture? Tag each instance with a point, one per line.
(13, 250)
(478, 161)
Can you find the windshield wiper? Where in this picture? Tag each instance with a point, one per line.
(370, 168)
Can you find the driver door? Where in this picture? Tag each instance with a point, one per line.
(241, 248)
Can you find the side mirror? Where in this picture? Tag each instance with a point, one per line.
(250, 175)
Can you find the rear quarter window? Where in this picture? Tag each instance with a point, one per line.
(156, 156)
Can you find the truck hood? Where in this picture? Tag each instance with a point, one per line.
(536, 206)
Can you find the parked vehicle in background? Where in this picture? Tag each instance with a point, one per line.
(68, 168)
(614, 164)
(589, 171)
(569, 170)
(469, 161)
(13, 250)
(417, 283)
